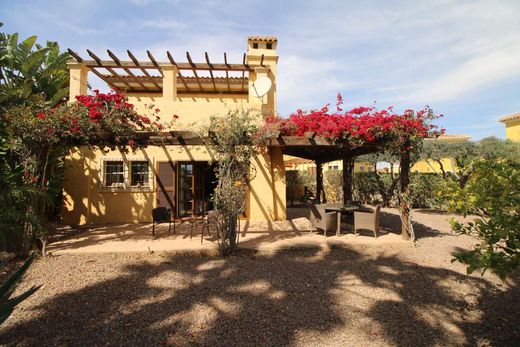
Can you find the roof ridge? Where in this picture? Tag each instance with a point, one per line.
(510, 117)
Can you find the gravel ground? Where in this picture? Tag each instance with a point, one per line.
(365, 295)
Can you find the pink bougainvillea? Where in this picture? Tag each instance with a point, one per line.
(106, 119)
(358, 125)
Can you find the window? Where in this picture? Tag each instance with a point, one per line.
(255, 45)
(114, 173)
(131, 174)
(139, 173)
(269, 45)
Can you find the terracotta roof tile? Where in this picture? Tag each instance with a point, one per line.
(262, 38)
(298, 161)
(510, 117)
(449, 137)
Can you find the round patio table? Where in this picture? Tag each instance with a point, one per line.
(339, 208)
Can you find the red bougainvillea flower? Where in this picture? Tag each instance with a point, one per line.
(41, 115)
(339, 102)
(358, 125)
(145, 120)
(131, 142)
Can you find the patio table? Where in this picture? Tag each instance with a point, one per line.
(339, 208)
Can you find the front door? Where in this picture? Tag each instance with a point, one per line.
(191, 192)
(185, 187)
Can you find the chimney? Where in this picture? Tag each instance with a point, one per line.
(261, 50)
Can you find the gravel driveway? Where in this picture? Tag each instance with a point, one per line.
(366, 295)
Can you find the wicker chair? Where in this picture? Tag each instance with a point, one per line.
(206, 221)
(367, 221)
(162, 215)
(320, 219)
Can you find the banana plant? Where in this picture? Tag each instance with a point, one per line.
(30, 72)
(7, 302)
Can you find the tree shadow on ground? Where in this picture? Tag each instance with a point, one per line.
(392, 222)
(338, 297)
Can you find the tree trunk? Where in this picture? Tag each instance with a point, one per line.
(348, 169)
(404, 172)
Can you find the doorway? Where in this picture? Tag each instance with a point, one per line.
(186, 187)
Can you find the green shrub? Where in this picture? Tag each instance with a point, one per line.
(366, 188)
(333, 185)
(424, 189)
(493, 194)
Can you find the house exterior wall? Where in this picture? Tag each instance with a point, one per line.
(430, 166)
(513, 130)
(86, 201)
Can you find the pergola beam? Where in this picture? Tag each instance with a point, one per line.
(75, 55)
(227, 74)
(154, 62)
(180, 65)
(100, 65)
(170, 58)
(210, 71)
(127, 70)
(193, 68)
(136, 62)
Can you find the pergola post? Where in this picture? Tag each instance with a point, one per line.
(404, 176)
(347, 177)
(169, 82)
(78, 74)
(319, 182)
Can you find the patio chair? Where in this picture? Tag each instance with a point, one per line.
(320, 219)
(206, 221)
(162, 215)
(367, 221)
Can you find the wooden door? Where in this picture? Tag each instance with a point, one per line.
(191, 188)
(186, 181)
(165, 187)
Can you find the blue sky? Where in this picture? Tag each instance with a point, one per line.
(462, 58)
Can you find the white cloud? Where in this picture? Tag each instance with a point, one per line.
(478, 73)
(168, 24)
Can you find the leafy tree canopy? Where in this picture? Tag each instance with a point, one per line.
(493, 193)
(31, 73)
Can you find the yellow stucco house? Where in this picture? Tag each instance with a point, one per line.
(117, 187)
(309, 166)
(431, 166)
(512, 123)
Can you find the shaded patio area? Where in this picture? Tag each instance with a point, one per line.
(291, 234)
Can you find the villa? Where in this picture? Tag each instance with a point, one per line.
(117, 187)
(512, 123)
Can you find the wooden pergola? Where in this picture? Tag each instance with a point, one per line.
(134, 76)
(321, 150)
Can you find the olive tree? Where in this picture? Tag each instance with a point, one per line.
(234, 141)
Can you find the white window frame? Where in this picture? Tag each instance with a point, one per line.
(126, 185)
(146, 184)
